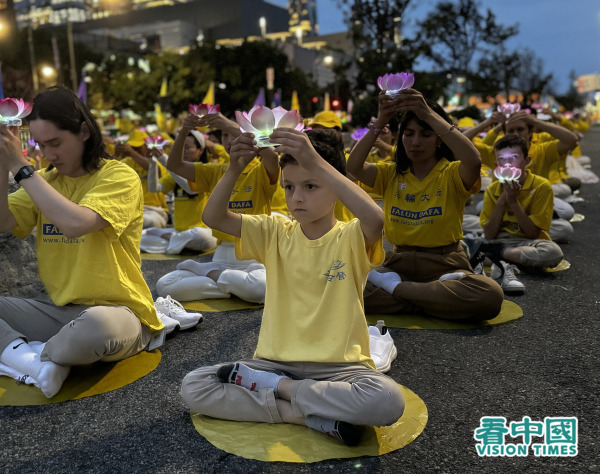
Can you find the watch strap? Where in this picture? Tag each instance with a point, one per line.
(25, 172)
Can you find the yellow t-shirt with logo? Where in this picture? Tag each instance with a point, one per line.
(536, 198)
(314, 309)
(150, 199)
(102, 267)
(425, 213)
(546, 161)
(252, 193)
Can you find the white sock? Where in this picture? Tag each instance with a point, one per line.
(386, 281)
(199, 268)
(452, 276)
(240, 374)
(19, 376)
(25, 358)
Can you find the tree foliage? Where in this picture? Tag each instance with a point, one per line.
(456, 32)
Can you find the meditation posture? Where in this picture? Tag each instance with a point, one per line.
(312, 365)
(424, 193)
(517, 214)
(87, 211)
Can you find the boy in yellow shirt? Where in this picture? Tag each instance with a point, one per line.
(314, 263)
(518, 214)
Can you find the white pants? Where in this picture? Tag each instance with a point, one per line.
(199, 239)
(155, 217)
(246, 279)
(561, 190)
(561, 231)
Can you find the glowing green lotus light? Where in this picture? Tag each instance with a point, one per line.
(261, 121)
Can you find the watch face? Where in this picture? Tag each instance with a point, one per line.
(25, 172)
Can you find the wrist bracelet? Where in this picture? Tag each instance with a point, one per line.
(452, 127)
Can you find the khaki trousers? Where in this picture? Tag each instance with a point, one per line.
(342, 392)
(473, 297)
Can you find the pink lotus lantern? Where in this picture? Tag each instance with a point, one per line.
(203, 109)
(506, 174)
(392, 84)
(508, 109)
(155, 142)
(261, 121)
(13, 110)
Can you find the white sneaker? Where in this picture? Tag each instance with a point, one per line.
(169, 323)
(479, 270)
(383, 350)
(510, 283)
(175, 310)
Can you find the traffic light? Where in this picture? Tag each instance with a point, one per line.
(335, 103)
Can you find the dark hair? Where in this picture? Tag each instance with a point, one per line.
(443, 151)
(63, 108)
(512, 141)
(204, 154)
(328, 144)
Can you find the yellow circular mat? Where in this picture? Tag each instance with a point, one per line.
(83, 381)
(293, 443)
(563, 265)
(509, 312)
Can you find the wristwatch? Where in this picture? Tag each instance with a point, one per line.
(24, 173)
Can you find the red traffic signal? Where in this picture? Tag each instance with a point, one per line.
(335, 104)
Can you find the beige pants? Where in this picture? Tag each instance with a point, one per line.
(74, 334)
(342, 392)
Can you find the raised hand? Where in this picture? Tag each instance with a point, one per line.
(243, 150)
(297, 144)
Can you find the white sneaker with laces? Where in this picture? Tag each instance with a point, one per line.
(479, 270)
(383, 350)
(175, 310)
(510, 283)
(169, 323)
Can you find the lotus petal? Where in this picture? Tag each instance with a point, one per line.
(409, 80)
(8, 108)
(507, 173)
(244, 122)
(278, 112)
(396, 82)
(263, 119)
(290, 119)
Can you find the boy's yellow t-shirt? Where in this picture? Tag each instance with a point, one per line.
(536, 198)
(99, 268)
(314, 309)
(252, 193)
(425, 213)
(150, 199)
(187, 210)
(218, 155)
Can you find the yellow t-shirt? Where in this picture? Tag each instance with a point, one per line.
(218, 155)
(99, 268)
(545, 160)
(425, 213)
(150, 199)
(187, 209)
(536, 198)
(314, 309)
(252, 193)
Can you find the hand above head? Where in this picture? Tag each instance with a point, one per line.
(522, 115)
(413, 100)
(297, 144)
(11, 155)
(496, 118)
(387, 108)
(243, 151)
(220, 122)
(191, 122)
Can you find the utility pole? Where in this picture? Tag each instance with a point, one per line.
(72, 55)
